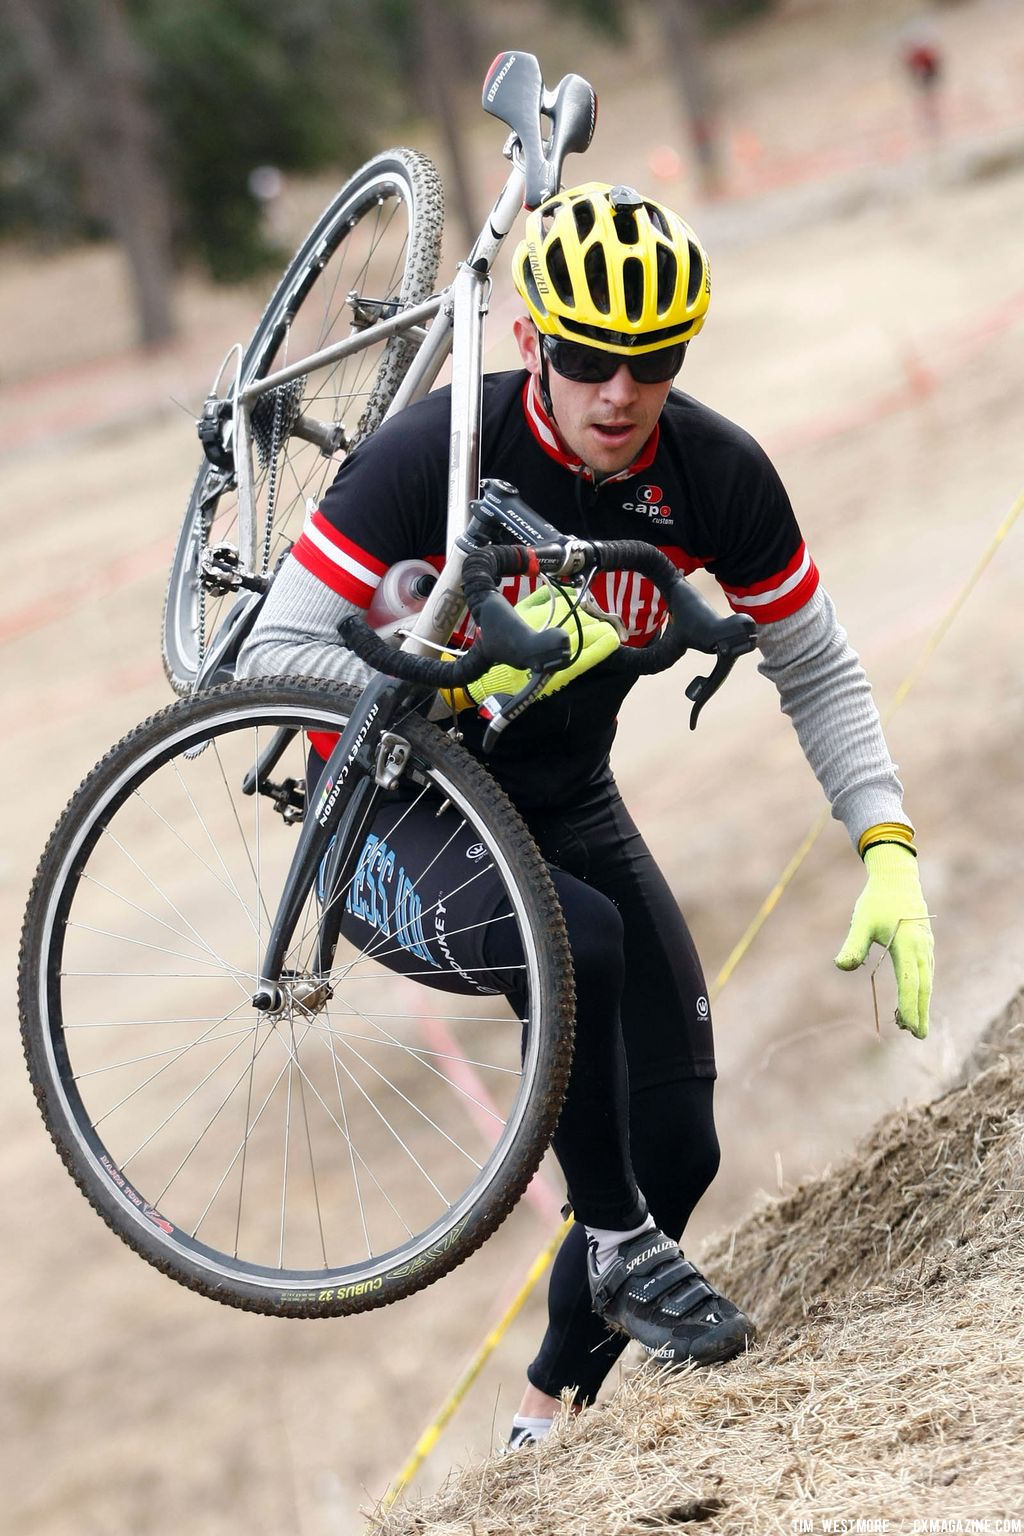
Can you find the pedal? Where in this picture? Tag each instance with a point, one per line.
(221, 572)
(289, 798)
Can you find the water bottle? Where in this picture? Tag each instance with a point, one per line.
(403, 590)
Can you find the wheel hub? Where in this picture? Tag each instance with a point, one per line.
(295, 996)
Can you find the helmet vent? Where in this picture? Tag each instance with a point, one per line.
(633, 285)
(696, 282)
(596, 270)
(625, 226)
(558, 271)
(658, 220)
(668, 273)
(583, 213)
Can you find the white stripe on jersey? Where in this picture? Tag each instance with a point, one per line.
(762, 599)
(340, 557)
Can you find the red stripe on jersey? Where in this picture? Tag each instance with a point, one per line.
(318, 565)
(780, 595)
(337, 561)
(544, 429)
(772, 582)
(682, 561)
(324, 530)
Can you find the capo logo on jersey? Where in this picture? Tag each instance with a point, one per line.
(648, 500)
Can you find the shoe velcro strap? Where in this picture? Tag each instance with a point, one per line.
(650, 1281)
(658, 1252)
(686, 1292)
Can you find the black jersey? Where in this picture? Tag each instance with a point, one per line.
(701, 490)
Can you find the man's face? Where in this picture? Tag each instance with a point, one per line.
(604, 424)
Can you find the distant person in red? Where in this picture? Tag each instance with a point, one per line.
(921, 55)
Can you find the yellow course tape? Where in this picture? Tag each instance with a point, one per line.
(432, 1434)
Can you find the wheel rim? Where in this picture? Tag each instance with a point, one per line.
(365, 246)
(293, 1154)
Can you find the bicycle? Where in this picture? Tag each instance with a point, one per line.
(273, 441)
(274, 1115)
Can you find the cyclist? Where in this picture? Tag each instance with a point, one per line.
(597, 440)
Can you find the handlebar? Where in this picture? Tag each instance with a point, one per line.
(505, 638)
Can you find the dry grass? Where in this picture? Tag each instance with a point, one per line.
(889, 1384)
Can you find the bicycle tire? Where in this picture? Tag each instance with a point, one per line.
(206, 1177)
(356, 245)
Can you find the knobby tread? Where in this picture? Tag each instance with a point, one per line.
(510, 1180)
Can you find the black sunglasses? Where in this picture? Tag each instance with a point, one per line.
(591, 365)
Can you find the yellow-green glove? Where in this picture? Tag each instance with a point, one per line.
(544, 609)
(893, 892)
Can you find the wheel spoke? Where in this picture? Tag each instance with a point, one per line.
(279, 1153)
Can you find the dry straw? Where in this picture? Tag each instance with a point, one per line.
(889, 1383)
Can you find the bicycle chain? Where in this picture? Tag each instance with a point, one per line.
(271, 465)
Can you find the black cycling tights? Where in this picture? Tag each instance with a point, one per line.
(643, 1062)
(675, 1155)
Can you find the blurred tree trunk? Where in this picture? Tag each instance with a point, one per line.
(442, 49)
(687, 60)
(90, 80)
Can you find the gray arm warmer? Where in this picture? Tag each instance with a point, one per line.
(823, 690)
(296, 633)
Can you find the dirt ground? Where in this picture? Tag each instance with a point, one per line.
(867, 327)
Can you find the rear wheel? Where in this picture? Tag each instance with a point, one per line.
(367, 1137)
(377, 246)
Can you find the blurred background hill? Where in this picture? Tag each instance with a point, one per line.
(154, 164)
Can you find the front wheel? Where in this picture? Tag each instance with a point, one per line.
(365, 1138)
(374, 250)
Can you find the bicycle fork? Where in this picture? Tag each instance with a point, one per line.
(361, 762)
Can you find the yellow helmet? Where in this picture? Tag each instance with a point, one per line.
(606, 267)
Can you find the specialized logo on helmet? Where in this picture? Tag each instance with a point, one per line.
(539, 277)
(648, 499)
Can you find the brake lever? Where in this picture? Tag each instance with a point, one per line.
(701, 689)
(509, 707)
